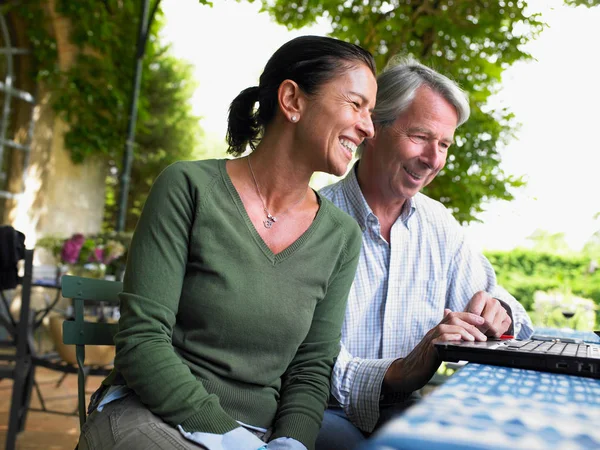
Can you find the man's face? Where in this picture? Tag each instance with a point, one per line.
(409, 153)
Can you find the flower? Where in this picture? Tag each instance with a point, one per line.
(79, 250)
(112, 251)
(72, 249)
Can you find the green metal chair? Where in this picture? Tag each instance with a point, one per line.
(79, 332)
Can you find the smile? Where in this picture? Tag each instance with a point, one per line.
(351, 146)
(412, 174)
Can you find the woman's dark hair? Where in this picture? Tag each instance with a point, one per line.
(310, 61)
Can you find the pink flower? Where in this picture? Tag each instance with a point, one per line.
(72, 248)
(97, 255)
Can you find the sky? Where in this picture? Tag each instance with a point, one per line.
(555, 97)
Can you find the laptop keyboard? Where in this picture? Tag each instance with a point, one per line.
(556, 348)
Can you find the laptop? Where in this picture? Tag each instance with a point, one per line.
(546, 354)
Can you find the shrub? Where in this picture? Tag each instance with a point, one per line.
(524, 272)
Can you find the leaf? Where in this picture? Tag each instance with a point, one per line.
(472, 42)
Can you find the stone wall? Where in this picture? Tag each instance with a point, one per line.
(59, 197)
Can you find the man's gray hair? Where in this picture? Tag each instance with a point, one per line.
(398, 83)
(400, 80)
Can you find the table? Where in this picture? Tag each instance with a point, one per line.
(587, 336)
(9, 324)
(50, 302)
(492, 408)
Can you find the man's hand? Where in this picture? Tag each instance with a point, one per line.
(497, 320)
(413, 372)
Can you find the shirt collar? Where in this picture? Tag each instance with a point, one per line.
(408, 210)
(361, 210)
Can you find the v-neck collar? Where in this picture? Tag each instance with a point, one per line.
(274, 258)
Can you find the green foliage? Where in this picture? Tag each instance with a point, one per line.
(550, 307)
(108, 249)
(167, 132)
(592, 247)
(52, 243)
(93, 96)
(588, 3)
(523, 272)
(471, 41)
(546, 242)
(44, 52)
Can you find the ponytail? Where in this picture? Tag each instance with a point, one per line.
(243, 128)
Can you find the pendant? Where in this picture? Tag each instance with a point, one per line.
(269, 221)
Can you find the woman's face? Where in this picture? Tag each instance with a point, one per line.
(338, 118)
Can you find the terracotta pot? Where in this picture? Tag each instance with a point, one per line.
(95, 355)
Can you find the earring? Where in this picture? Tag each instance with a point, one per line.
(294, 119)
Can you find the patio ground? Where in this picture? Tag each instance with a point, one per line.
(46, 431)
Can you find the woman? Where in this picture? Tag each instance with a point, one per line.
(238, 272)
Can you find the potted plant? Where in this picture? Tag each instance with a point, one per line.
(93, 256)
(86, 256)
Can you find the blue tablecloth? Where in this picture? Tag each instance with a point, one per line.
(587, 336)
(490, 407)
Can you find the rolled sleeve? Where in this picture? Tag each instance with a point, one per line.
(356, 385)
(521, 326)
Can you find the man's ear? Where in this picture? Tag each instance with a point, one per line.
(291, 100)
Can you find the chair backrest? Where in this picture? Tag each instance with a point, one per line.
(80, 332)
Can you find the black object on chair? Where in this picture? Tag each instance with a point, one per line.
(16, 363)
(80, 332)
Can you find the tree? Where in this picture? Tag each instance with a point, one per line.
(591, 248)
(588, 3)
(167, 131)
(93, 95)
(471, 41)
(550, 243)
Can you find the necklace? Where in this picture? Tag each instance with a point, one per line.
(271, 219)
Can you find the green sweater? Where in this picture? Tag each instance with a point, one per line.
(214, 327)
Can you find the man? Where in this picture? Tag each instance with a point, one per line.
(419, 281)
